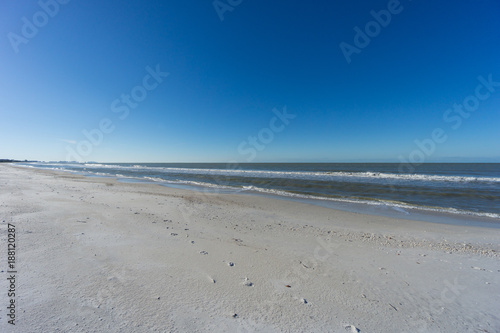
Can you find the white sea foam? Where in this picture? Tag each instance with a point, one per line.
(91, 169)
(306, 175)
(323, 175)
(400, 206)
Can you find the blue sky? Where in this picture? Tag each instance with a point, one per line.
(225, 78)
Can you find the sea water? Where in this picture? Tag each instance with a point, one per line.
(471, 189)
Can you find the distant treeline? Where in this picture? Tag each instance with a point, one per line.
(3, 160)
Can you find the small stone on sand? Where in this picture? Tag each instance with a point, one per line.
(352, 328)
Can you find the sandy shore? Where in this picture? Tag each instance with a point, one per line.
(97, 255)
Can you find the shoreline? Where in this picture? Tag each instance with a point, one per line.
(107, 255)
(399, 210)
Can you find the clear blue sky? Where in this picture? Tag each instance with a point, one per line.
(226, 76)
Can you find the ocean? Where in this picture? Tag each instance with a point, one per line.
(471, 189)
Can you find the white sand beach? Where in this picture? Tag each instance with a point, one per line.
(98, 255)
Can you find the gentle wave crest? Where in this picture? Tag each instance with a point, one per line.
(465, 195)
(323, 175)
